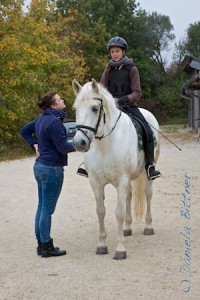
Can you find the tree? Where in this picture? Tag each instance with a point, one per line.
(193, 39)
(158, 36)
(179, 54)
(35, 57)
(101, 20)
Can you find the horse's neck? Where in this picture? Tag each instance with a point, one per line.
(115, 119)
(118, 127)
(112, 113)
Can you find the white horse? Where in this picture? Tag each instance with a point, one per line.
(110, 142)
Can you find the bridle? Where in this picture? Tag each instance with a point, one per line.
(101, 113)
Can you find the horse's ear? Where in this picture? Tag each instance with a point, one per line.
(95, 86)
(76, 86)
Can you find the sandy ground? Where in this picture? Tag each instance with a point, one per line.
(153, 264)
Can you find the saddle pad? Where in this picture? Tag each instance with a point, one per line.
(140, 133)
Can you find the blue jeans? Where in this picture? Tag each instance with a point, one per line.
(49, 180)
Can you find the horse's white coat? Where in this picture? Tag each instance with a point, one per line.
(114, 159)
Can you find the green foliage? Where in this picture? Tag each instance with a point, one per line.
(35, 57)
(168, 100)
(54, 41)
(193, 39)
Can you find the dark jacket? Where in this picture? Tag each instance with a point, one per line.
(120, 71)
(50, 134)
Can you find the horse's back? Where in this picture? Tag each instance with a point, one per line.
(152, 121)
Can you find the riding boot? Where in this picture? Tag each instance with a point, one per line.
(151, 169)
(82, 171)
(39, 248)
(48, 250)
(152, 173)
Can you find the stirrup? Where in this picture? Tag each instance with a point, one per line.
(81, 171)
(156, 174)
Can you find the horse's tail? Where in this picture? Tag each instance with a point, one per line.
(138, 195)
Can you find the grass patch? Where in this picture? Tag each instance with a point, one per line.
(15, 152)
(179, 120)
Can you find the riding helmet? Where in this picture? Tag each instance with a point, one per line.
(118, 41)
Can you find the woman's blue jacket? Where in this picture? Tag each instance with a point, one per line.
(50, 134)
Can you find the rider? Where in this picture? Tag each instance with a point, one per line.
(121, 78)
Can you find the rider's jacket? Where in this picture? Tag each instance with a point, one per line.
(122, 78)
(119, 83)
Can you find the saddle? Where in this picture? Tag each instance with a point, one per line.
(141, 132)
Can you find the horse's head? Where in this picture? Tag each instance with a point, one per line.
(96, 113)
(89, 114)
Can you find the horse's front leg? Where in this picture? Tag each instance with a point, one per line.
(120, 252)
(128, 218)
(148, 230)
(101, 211)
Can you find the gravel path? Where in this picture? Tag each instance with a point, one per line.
(153, 264)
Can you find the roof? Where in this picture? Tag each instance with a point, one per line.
(194, 82)
(190, 64)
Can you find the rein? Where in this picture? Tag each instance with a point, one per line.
(101, 112)
(103, 136)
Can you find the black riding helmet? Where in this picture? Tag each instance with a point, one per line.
(117, 41)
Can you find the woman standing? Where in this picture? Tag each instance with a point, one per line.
(48, 136)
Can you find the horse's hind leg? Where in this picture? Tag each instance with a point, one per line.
(101, 211)
(128, 218)
(148, 230)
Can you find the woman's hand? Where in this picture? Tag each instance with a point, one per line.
(36, 149)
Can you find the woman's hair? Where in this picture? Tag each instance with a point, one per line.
(47, 100)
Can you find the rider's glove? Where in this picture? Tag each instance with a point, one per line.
(123, 101)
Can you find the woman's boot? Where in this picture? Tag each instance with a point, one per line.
(39, 248)
(48, 250)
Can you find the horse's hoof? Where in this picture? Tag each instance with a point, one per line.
(102, 250)
(127, 232)
(148, 231)
(119, 255)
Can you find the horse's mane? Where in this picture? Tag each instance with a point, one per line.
(87, 94)
(107, 97)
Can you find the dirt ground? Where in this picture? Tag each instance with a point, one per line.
(163, 266)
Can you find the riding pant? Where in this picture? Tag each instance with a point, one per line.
(148, 134)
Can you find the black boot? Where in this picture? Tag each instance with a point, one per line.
(39, 248)
(152, 173)
(82, 172)
(49, 250)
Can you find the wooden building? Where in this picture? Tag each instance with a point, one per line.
(191, 89)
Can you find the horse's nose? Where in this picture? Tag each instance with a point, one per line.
(80, 145)
(83, 143)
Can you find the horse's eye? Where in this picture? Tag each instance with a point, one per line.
(94, 109)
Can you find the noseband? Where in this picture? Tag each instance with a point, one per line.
(81, 127)
(101, 112)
